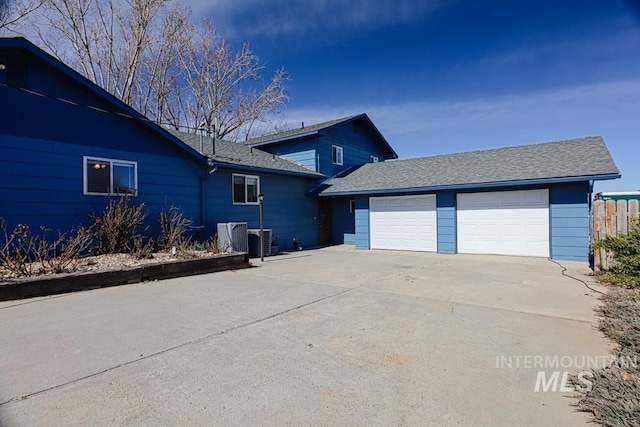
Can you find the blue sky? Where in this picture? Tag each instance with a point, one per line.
(443, 76)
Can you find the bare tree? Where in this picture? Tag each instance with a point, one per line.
(227, 95)
(146, 53)
(14, 11)
(106, 40)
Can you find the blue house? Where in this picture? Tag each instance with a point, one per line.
(68, 146)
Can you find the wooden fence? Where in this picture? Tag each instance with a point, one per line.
(611, 218)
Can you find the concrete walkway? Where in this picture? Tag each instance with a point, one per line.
(324, 337)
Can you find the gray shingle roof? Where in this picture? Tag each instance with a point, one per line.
(233, 153)
(299, 131)
(571, 158)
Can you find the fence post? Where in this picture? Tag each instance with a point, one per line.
(633, 208)
(621, 219)
(598, 233)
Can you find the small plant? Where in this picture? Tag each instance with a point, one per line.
(174, 228)
(64, 253)
(211, 245)
(142, 248)
(25, 253)
(625, 249)
(119, 225)
(20, 249)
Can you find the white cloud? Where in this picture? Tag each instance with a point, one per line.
(248, 18)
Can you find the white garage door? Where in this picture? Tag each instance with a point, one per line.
(403, 223)
(504, 222)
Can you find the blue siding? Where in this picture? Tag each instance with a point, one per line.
(352, 155)
(446, 220)
(41, 183)
(569, 221)
(358, 144)
(362, 222)
(306, 158)
(287, 211)
(302, 151)
(342, 221)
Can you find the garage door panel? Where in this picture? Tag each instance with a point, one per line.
(504, 222)
(403, 223)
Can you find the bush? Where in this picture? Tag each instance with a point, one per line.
(25, 253)
(174, 228)
(625, 249)
(118, 225)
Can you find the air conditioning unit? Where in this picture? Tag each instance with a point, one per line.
(254, 241)
(232, 237)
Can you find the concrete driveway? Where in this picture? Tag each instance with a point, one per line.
(324, 337)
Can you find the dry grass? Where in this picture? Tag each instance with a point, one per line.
(614, 399)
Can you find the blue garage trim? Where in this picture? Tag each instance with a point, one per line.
(479, 186)
(362, 222)
(446, 220)
(569, 221)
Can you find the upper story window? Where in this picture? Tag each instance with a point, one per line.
(374, 159)
(336, 155)
(245, 189)
(109, 177)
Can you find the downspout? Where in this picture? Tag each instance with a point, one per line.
(317, 154)
(210, 169)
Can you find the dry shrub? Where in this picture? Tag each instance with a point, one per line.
(614, 399)
(25, 253)
(119, 225)
(174, 228)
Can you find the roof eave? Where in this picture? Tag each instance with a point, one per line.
(257, 169)
(285, 138)
(474, 185)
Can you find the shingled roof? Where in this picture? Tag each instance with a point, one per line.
(237, 154)
(304, 130)
(584, 157)
(318, 128)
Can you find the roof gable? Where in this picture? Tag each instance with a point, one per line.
(321, 129)
(579, 158)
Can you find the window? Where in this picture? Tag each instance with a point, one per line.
(352, 206)
(109, 177)
(374, 159)
(336, 155)
(245, 189)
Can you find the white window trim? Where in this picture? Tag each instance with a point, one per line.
(85, 183)
(257, 202)
(374, 159)
(339, 155)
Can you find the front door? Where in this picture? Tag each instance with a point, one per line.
(324, 221)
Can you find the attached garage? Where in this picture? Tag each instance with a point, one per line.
(504, 222)
(529, 200)
(403, 223)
